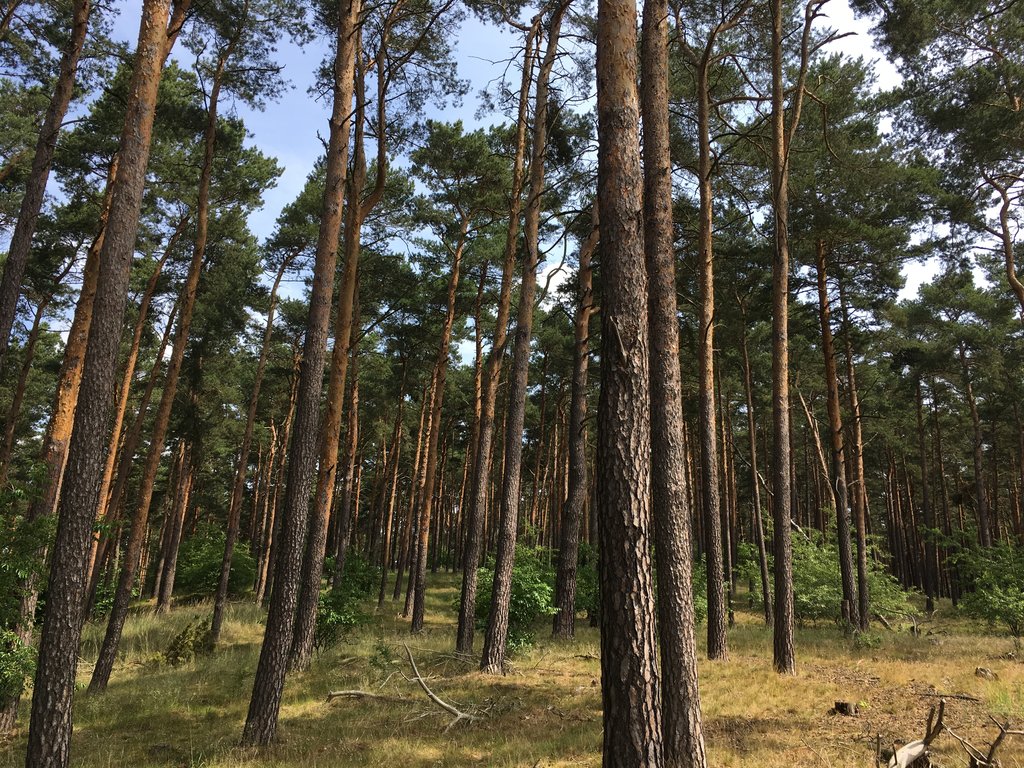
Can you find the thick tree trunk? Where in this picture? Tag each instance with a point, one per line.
(261, 721)
(32, 203)
(50, 729)
(630, 680)
(840, 496)
(682, 731)
(492, 660)
(572, 511)
(187, 300)
(480, 483)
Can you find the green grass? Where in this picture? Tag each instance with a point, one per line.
(545, 712)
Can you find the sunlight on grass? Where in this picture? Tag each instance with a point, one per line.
(545, 712)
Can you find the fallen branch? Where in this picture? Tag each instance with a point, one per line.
(458, 715)
(960, 696)
(908, 754)
(332, 695)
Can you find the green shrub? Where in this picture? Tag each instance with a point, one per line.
(588, 598)
(199, 564)
(531, 598)
(339, 610)
(192, 641)
(17, 663)
(995, 577)
(817, 588)
(699, 581)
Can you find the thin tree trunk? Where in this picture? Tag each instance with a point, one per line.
(492, 660)
(840, 496)
(483, 453)
(980, 502)
(931, 558)
(238, 487)
(261, 721)
(572, 511)
(32, 203)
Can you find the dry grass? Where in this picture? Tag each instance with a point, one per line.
(545, 712)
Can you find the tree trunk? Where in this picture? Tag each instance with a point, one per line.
(572, 510)
(980, 502)
(492, 660)
(418, 578)
(931, 558)
(187, 300)
(32, 203)
(482, 457)
(261, 721)
(681, 728)
(840, 496)
(170, 565)
(238, 487)
(755, 485)
(630, 681)
(50, 729)
(860, 495)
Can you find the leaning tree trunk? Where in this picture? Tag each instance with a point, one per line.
(261, 721)
(482, 457)
(238, 488)
(629, 653)
(49, 737)
(681, 728)
(187, 301)
(840, 495)
(492, 660)
(32, 203)
(572, 511)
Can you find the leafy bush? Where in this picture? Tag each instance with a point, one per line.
(531, 598)
(996, 577)
(699, 581)
(339, 610)
(17, 663)
(199, 564)
(192, 641)
(817, 588)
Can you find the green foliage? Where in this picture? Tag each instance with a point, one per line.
(192, 641)
(531, 598)
(817, 589)
(699, 581)
(199, 564)
(996, 576)
(339, 611)
(17, 663)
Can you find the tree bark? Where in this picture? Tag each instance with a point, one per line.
(840, 496)
(572, 511)
(630, 680)
(50, 729)
(140, 521)
(261, 721)
(681, 728)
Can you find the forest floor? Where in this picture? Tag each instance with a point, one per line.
(546, 711)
